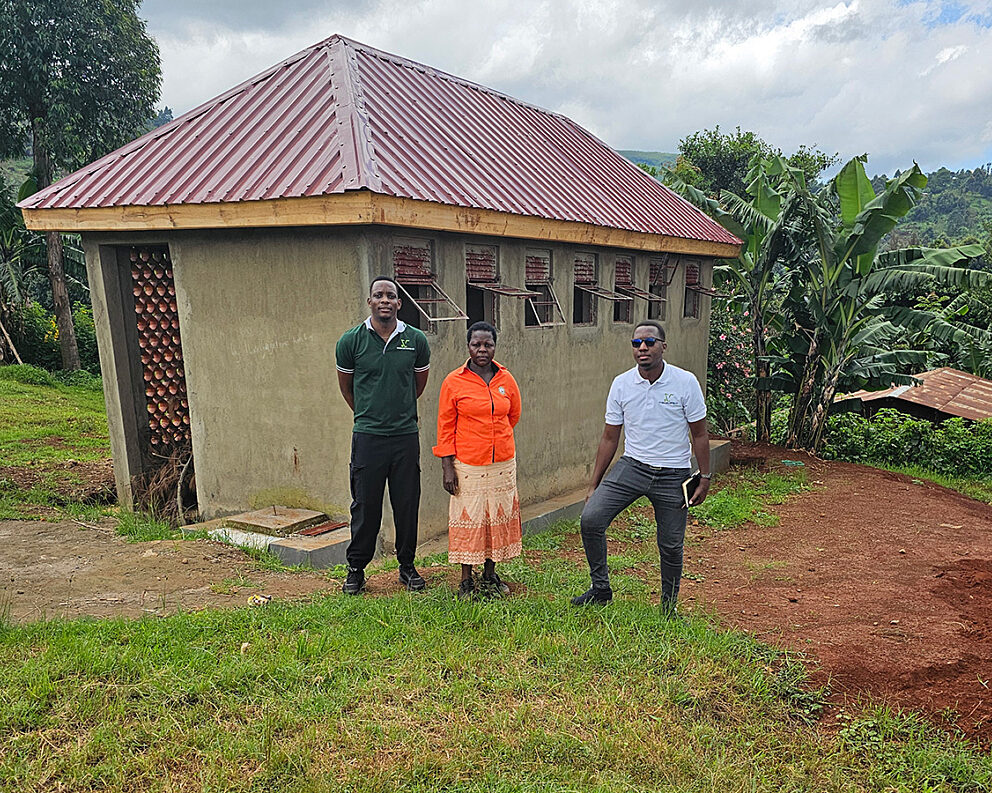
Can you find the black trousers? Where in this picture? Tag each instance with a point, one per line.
(376, 460)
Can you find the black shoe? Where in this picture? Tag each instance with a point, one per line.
(411, 579)
(493, 586)
(670, 610)
(466, 589)
(598, 596)
(354, 584)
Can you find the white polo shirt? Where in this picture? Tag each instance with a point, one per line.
(655, 415)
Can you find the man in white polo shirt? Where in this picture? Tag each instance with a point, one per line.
(662, 411)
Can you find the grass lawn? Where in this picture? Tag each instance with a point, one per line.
(45, 425)
(429, 693)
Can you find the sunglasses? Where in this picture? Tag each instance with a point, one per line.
(648, 340)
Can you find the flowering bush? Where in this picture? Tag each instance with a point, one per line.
(730, 377)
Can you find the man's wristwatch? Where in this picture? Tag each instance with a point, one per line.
(706, 476)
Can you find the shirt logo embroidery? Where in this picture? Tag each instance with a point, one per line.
(502, 390)
(668, 399)
(404, 345)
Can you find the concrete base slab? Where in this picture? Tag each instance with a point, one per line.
(243, 539)
(322, 551)
(282, 520)
(537, 517)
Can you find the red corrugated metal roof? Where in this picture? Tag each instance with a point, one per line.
(343, 116)
(950, 391)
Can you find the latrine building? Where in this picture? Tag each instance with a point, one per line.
(228, 250)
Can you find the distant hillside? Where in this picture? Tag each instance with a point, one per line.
(656, 159)
(955, 205)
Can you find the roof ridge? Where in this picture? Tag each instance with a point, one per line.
(345, 68)
(408, 63)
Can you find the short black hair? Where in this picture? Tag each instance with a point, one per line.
(652, 323)
(480, 326)
(384, 278)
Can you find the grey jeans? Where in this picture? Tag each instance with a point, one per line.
(627, 481)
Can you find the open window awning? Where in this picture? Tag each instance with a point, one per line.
(606, 294)
(505, 289)
(636, 292)
(437, 298)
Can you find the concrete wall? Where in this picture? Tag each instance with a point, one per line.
(260, 312)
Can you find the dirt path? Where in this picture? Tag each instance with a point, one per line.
(885, 580)
(67, 570)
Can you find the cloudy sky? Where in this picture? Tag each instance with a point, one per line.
(902, 80)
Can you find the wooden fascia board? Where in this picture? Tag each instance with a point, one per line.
(360, 208)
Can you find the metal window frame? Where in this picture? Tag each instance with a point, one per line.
(432, 283)
(668, 269)
(605, 294)
(554, 302)
(504, 289)
(638, 292)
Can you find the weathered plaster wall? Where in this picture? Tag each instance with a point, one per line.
(260, 312)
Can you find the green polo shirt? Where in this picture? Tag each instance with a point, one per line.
(384, 385)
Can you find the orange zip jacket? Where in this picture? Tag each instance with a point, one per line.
(475, 421)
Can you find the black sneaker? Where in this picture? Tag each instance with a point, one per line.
(411, 579)
(670, 610)
(493, 586)
(354, 584)
(466, 589)
(599, 597)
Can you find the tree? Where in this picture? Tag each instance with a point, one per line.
(840, 324)
(713, 161)
(752, 275)
(77, 79)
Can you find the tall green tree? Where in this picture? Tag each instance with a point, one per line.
(78, 78)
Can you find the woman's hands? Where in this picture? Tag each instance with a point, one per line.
(449, 477)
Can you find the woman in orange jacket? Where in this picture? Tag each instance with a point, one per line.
(479, 406)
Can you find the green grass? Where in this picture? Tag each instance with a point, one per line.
(42, 424)
(144, 527)
(746, 497)
(978, 489)
(429, 693)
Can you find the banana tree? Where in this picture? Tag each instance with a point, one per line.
(837, 309)
(752, 275)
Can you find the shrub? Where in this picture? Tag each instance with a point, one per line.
(27, 374)
(36, 336)
(957, 447)
(82, 320)
(729, 380)
(79, 379)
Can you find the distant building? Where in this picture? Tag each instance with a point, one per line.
(228, 250)
(943, 393)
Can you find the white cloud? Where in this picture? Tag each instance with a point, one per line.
(895, 79)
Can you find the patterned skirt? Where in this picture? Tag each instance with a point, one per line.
(484, 518)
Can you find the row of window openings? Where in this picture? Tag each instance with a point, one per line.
(426, 303)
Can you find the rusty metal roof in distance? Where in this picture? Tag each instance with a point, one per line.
(341, 116)
(948, 390)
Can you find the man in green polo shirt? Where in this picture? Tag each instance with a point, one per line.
(382, 370)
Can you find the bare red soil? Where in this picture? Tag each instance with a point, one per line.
(886, 581)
